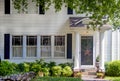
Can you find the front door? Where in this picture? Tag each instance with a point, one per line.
(86, 50)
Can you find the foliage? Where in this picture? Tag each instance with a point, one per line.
(113, 68)
(66, 64)
(112, 78)
(6, 68)
(95, 9)
(77, 74)
(67, 71)
(100, 75)
(56, 79)
(46, 71)
(56, 70)
(23, 67)
(35, 67)
(21, 5)
(98, 58)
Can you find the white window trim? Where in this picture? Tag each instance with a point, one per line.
(65, 57)
(38, 56)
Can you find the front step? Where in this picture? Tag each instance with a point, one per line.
(91, 71)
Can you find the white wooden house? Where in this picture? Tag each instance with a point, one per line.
(60, 37)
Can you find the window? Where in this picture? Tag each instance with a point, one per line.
(59, 47)
(17, 44)
(31, 46)
(45, 46)
(32, 8)
(69, 11)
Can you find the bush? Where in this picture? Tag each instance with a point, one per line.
(66, 64)
(23, 67)
(6, 68)
(46, 71)
(113, 68)
(67, 71)
(56, 79)
(56, 70)
(35, 67)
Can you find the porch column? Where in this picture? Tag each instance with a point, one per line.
(102, 49)
(77, 51)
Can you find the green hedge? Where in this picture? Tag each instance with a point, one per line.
(56, 79)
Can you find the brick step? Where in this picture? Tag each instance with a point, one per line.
(88, 71)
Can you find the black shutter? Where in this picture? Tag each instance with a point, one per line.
(41, 9)
(69, 46)
(69, 11)
(7, 6)
(6, 46)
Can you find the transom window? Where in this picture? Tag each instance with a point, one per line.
(59, 47)
(17, 44)
(45, 46)
(31, 46)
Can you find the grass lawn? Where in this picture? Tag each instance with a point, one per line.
(113, 78)
(56, 79)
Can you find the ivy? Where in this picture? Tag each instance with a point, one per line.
(96, 10)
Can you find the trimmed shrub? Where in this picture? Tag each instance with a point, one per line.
(56, 70)
(67, 71)
(113, 68)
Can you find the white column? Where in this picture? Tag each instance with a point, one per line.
(77, 52)
(102, 46)
(38, 46)
(24, 46)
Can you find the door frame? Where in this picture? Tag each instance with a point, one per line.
(94, 45)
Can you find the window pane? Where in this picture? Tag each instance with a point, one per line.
(59, 47)
(31, 40)
(45, 46)
(32, 8)
(45, 40)
(17, 42)
(31, 46)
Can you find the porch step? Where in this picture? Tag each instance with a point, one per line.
(91, 71)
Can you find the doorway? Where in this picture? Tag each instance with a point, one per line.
(87, 51)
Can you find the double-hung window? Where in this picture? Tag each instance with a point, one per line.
(59, 46)
(31, 9)
(31, 46)
(45, 46)
(17, 46)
